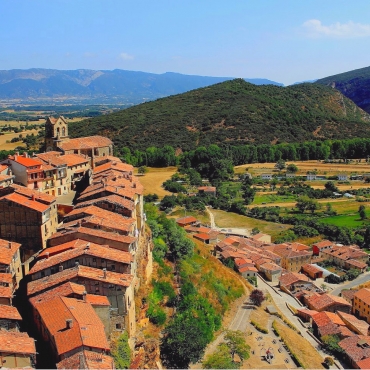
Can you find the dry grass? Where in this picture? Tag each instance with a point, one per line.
(229, 219)
(154, 178)
(322, 168)
(260, 316)
(202, 216)
(7, 137)
(303, 350)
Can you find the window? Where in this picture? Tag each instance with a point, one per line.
(94, 259)
(113, 268)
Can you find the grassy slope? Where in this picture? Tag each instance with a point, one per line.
(233, 112)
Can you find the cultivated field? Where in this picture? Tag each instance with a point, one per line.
(7, 137)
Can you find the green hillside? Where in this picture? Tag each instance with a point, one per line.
(234, 112)
(355, 85)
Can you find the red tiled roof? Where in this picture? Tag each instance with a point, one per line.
(187, 219)
(40, 197)
(17, 342)
(6, 277)
(51, 251)
(114, 199)
(348, 294)
(270, 266)
(291, 278)
(97, 300)
(26, 162)
(355, 263)
(364, 364)
(84, 232)
(54, 158)
(201, 236)
(26, 202)
(117, 166)
(324, 318)
(323, 301)
(89, 359)
(360, 326)
(74, 159)
(6, 291)
(83, 248)
(247, 268)
(6, 253)
(9, 313)
(323, 244)
(363, 295)
(207, 188)
(84, 272)
(88, 142)
(87, 329)
(354, 349)
(64, 290)
(311, 268)
(308, 312)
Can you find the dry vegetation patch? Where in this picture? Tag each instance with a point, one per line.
(299, 347)
(154, 178)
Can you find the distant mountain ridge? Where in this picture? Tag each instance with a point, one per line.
(234, 113)
(101, 86)
(355, 85)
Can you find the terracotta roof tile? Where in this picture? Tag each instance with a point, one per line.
(311, 268)
(9, 313)
(26, 202)
(16, 342)
(88, 142)
(354, 348)
(118, 166)
(363, 295)
(84, 272)
(65, 290)
(87, 329)
(26, 162)
(203, 237)
(187, 219)
(6, 292)
(89, 359)
(97, 300)
(74, 159)
(113, 199)
(6, 253)
(291, 278)
(323, 244)
(348, 294)
(324, 301)
(360, 326)
(84, 232)
(54, 158)
(40, 197)
(80, 249)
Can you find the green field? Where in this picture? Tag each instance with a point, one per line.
(273, 198)
(352, 220)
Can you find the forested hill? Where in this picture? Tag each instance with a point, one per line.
(355, 85)
(234, 112)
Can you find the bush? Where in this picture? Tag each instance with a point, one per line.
(156, 315)
(122, 353)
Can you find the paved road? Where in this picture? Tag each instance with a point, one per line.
(363, 278)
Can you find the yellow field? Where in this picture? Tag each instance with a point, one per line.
(154, 178)
(328, 169)
(21, 123)
(7, 137)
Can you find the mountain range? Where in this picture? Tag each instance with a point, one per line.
(99, 86)
(233, 112)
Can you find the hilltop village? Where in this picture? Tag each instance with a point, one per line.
(75, 249)
(74, 269)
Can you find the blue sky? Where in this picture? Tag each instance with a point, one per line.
(282, 40)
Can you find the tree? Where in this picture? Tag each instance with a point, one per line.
(331, 343)
(255, 231)
(292, 168)
(220, 359)
(331, 186)
(142, 170)
(329, 361)
(257, 297)
(280, 164)
(362, 212)
(236, 342)
(305, 203)
(122, 353)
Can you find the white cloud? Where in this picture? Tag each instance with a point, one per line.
(125, 56)
(315, 28)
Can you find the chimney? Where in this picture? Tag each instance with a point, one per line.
(33, 197)
(69, 323)
(87, 246)
(84, 295)
(47, 255)
(60, 268)
(104, 273)
(10, 245)
(25, 155)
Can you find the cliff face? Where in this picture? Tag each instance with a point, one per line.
(355, 85)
